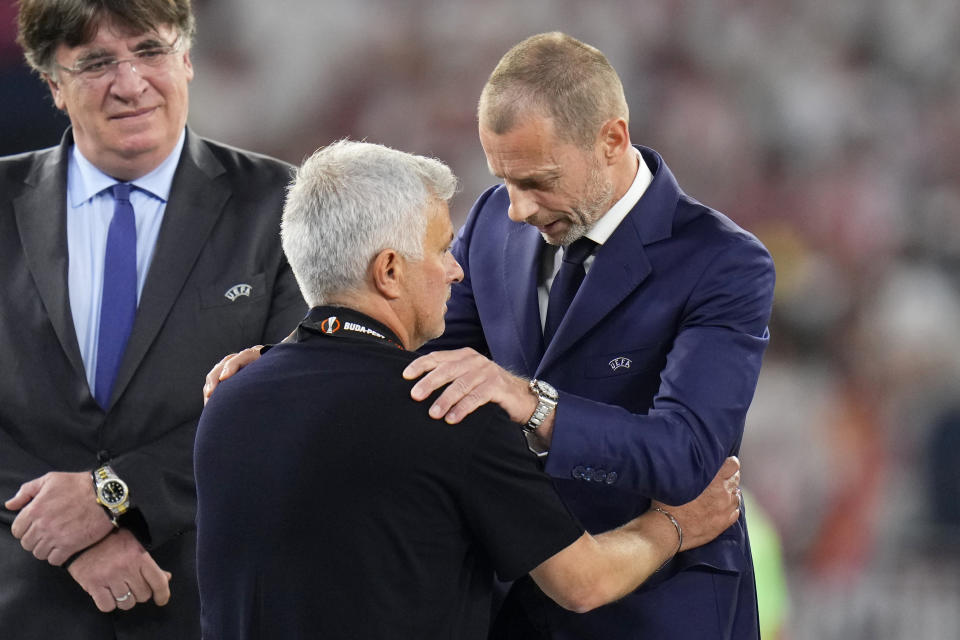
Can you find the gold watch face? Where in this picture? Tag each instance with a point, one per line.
(113, 492)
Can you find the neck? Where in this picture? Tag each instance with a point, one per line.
(624, 172)
(380, 310)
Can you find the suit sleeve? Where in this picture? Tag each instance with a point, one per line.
(697, 417)
(16, 467)
(287, 308)
(160, 473)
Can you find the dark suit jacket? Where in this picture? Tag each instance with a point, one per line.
(656, 362)
(220, 229)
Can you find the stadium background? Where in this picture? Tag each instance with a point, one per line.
(829, 129)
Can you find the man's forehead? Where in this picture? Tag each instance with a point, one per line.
(524, 167)
(439, 231)
(111, 35)
(526, 152)
(441, 216)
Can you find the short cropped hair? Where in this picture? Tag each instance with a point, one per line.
(347, 203)
(43, 25)
(554, 75)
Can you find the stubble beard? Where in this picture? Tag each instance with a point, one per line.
(596, 201)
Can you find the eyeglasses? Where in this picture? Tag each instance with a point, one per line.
(106, 66)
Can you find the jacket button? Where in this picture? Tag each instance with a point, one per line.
(588, 474)
(600, 475)
(578, 472)
(612, 477)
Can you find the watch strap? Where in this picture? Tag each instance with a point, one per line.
(545, 406)
(101, 476)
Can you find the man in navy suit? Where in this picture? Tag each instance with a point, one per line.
(655, 360)
(638, 388)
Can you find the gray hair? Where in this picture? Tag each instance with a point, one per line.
(351, 200)
(43, 25)
(556, 76)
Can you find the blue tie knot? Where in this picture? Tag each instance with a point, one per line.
(121, 191)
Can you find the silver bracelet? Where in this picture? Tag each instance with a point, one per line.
(679, 532)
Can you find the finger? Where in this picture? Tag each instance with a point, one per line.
(58, 556)
(467, 405)
(123, 596)
(433, 360)
(159, 582)
(734, 517)
(731, 483)
(460, 376)
(463, 388)
(23, 529)
(25, 494)
(213, 377)
(420, 366)
(239, 361)
(729, 466)
(103, 599)
(142, 592)
(42, 549)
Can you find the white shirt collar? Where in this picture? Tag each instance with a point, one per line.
(603, 228)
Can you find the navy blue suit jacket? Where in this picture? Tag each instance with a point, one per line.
(656, 362)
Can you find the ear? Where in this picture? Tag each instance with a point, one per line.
(387, 273)
(188, 65)
(614, 139)
(55, 92)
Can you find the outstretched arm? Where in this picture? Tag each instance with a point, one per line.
(596, 570)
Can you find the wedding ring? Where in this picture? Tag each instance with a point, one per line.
(124, 597)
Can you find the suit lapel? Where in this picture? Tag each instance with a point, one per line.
(41, 216)
(619, 268)
(521, 255)
(196, 203)
(621, 264)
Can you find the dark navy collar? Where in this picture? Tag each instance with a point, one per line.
(343, 322)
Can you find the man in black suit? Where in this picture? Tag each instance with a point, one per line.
(132, 256)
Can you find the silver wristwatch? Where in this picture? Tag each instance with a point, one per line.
(112, 492)
(547, 398)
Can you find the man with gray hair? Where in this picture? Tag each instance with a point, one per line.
(618, 319)
(339, 508)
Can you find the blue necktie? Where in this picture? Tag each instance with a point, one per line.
(118, 304)
(565, 284)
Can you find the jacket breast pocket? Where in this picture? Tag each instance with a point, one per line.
(623, 363)
(238, 291)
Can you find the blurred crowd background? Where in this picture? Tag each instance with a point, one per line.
(829, 129)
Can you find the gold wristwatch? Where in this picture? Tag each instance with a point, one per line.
(112, 492)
